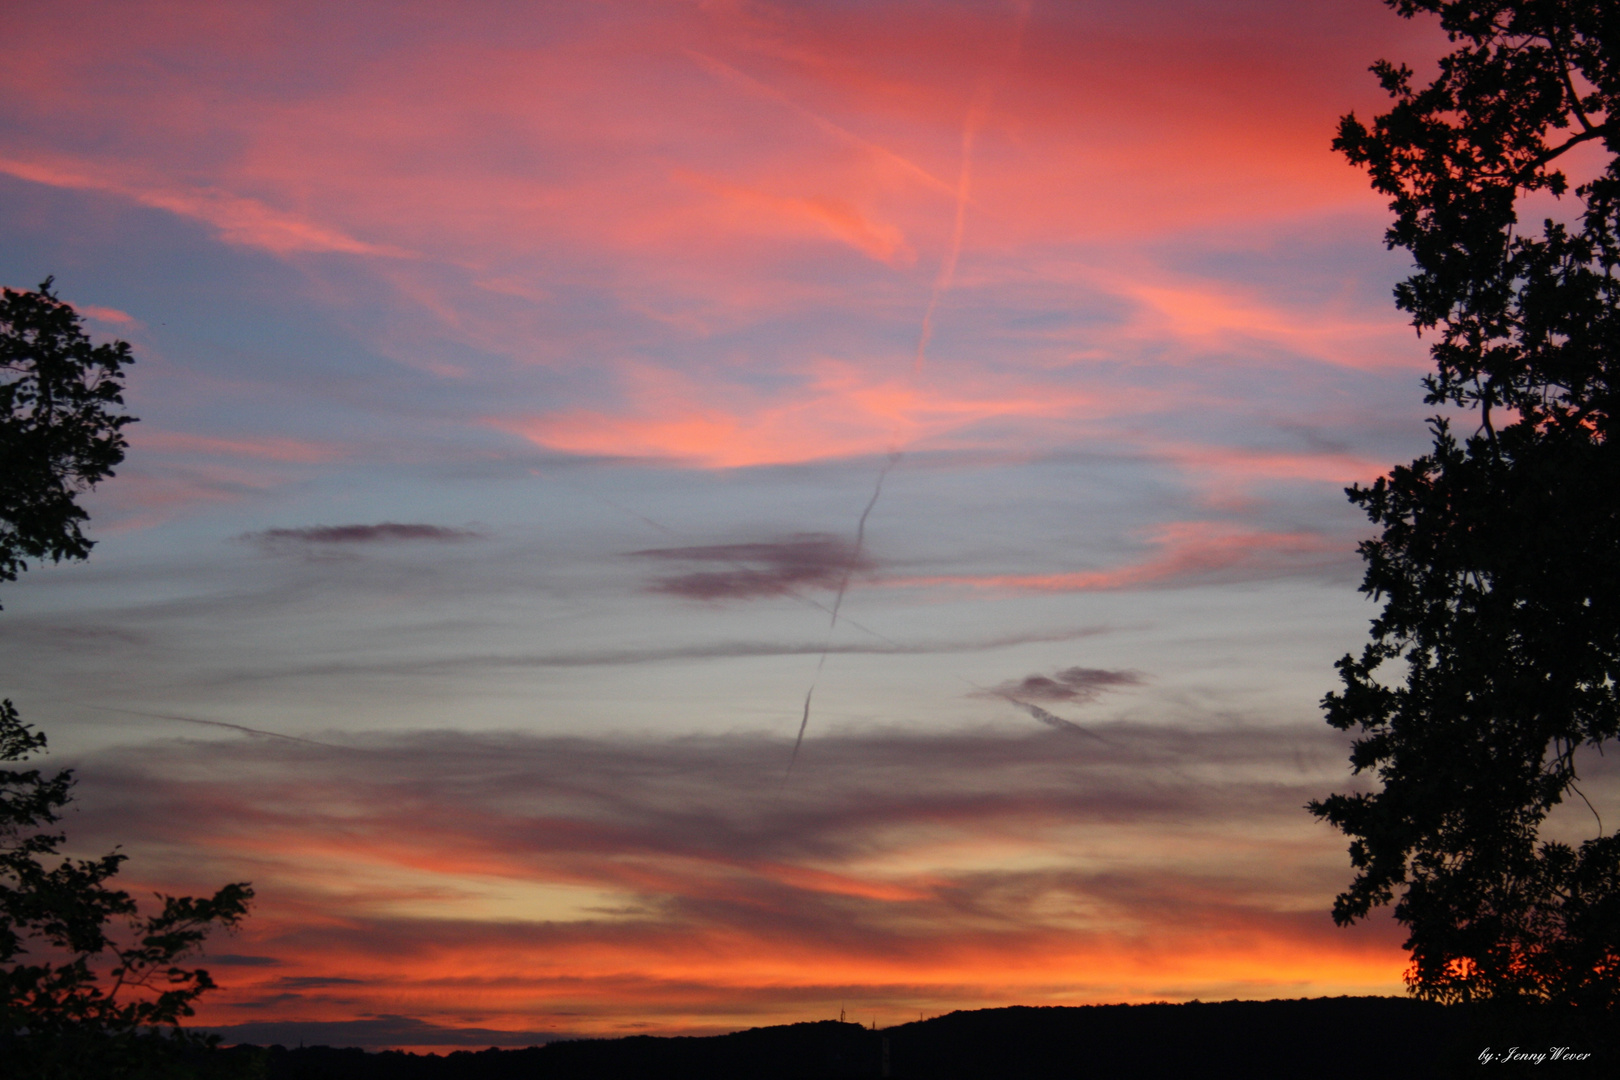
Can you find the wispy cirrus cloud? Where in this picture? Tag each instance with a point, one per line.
(145, 497)
(239, 219)
(718, 173)
(1188, 553)
(836, 218)
(268, 448)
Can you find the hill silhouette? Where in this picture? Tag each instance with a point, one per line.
(1312, 1039)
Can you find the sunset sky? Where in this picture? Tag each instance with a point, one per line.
(514, 382)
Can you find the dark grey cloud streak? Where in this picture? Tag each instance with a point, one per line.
(347, 535)
(705, 795)
(380, 1032)
(1075, 685)
(533, 800)
(757, 569)
(711, 650)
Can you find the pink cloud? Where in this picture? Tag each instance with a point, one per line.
(1188, 553)
(1237, 464)
(840, 410)
(1203, 314)
(1093, 131)
(107, 315)
(757, 211)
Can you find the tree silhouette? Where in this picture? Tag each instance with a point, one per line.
(74, 1001)
(77, 999)
(59, 435)
(1499, 557)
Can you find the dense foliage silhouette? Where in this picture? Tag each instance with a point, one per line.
(1499, 556)
(59, 431)
(78, 998)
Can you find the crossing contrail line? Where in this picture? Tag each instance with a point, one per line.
(742, 78)
(243, 728)
(978, 110)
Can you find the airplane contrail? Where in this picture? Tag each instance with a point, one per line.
(978, 109)
(838, 602)
(739, 564)
(953, 253)
(860, 535)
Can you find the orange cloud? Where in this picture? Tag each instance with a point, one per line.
(566, 884)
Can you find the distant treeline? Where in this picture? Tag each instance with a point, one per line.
(1316, 1039)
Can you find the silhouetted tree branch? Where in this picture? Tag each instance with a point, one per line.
(1499, 556)
(78, 996)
